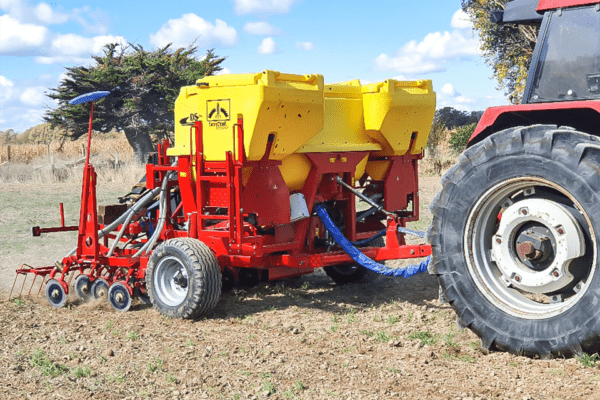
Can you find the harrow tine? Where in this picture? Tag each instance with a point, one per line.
(23, 286)
(42, 285)
(13, 286)
(31, 287)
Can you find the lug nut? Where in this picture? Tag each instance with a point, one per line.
(555, 273)
(498, 239)
(560, 230)
(524, 211)
(517, 278)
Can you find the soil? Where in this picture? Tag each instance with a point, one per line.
(305, 338)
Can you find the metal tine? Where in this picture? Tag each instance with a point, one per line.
(13, 285)
(31, 287)
(42, 285)
(22, 286)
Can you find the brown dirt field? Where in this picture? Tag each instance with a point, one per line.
(296, 339)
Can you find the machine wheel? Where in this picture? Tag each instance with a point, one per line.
(514, 243)
(183, 278)
(83, 287)
(348, 273)
(55, 293)
(119, 296)
(100, 288)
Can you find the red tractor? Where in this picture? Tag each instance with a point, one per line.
(516, 228)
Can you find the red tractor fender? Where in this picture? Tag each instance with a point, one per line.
(583, 116)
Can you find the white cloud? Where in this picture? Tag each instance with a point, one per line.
(306, 46)
(44, 13)
(400, 78)
(432, 54)
(33, 96)
(268, 46)
(5, 82)
(449, 90)
(17, 38)
(464, 100)
(6, 90)
(261, 28)
(262, 6)
(189, 28)
(224, 71)
(460, 20)
(71, 48)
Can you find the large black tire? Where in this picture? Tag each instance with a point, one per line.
(349, 273)
(513, 184)
(183, 278)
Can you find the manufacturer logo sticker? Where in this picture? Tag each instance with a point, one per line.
(218, 110)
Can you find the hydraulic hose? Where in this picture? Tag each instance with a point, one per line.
(360, 258)
(134, 209)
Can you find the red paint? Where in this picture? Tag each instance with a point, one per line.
(490, 115)
(545, 5)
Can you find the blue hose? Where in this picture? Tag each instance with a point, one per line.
(360, 258)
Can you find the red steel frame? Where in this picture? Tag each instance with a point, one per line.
(207, 186)
(545, 5)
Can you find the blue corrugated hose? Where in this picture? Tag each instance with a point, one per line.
(363, 260)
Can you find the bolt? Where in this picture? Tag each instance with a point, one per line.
(412, 252)
(555, 273)
(517, 278)
(524, 211)
(498, 239)
(560, 230)
(301, 262)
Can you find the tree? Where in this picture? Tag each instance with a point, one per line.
(148, 82)
(507, 48)
(451, 118)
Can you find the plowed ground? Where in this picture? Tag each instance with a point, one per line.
(298, 339)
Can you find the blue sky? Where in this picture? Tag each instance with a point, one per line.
(342, 40)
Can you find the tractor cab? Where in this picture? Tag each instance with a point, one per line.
(566, 61)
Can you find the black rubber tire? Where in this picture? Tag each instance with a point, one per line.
(566, 158)
(350, 273)
(203, 278)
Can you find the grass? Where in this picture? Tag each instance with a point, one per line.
(426, 338)
(39, 359)
(392, 319)
(588, 361)
(155, 365)
(81, 372)
(382, 336)
(132, 335)
(464, 358)
(268, 387)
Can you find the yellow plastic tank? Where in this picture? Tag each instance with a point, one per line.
(397, 112)
(305, 116)
(286, 105)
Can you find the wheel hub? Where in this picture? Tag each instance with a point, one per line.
(535, 243)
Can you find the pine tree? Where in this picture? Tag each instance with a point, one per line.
(144, 85)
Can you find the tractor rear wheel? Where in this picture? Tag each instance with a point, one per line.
(514, 240)
(183, 278)
(349, 273)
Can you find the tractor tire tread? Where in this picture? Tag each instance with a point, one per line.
(578, 155)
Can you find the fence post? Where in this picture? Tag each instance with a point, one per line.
(8, 154)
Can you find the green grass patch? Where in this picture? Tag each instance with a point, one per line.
(426, 338)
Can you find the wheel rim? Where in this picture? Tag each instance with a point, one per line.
(171, 281)
(83, 287)
(99, 288)
(530, 248)
(55, 293)
(118, 297)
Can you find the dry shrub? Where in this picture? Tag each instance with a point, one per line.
(440, 157)
(113, 144)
